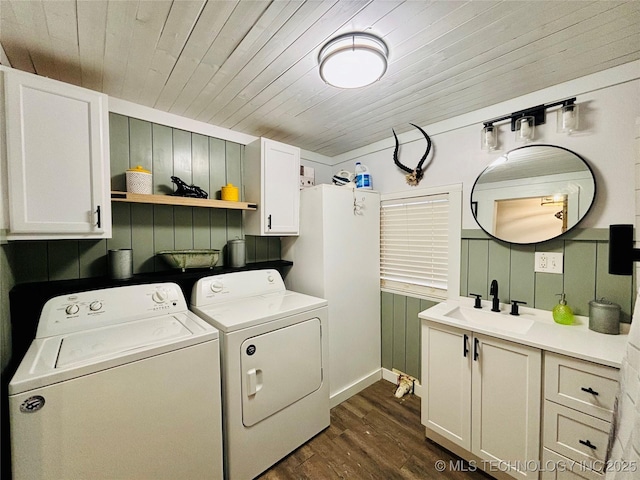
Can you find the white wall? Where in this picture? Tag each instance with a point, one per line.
(606, 140)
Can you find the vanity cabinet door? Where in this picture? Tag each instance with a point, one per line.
(446, 378)
(506, 404)
(272, 180)
(57, 159)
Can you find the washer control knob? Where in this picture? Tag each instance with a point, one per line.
(270, 278)
(72, 309)
(95, 306)
(160, 295)
(216, 286)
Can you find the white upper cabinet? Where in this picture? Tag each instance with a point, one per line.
(272, 177)
(57, 159)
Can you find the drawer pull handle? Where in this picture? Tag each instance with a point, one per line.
(465, 348)
(589, 390)
(476, 354)
(587, 443)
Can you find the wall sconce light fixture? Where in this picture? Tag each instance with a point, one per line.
(353, 60)
(621, 251)
(525, 128)
(568, 117)
(524, 122)
(489, 137)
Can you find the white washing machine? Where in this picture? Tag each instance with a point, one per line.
(275, 383)
(119, 383)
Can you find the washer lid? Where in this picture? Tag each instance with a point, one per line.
(82, 347)
(64, 357)
(250, 311)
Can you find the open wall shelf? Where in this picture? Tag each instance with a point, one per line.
(180, 201)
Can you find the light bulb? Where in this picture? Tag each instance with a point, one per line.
(568, 118)
(524, 129)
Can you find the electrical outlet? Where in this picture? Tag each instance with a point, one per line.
(549, 262)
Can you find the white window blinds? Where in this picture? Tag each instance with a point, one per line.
(414, 245)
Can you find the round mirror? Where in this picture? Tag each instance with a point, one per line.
(532, 194)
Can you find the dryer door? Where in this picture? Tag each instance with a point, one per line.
(280, 368)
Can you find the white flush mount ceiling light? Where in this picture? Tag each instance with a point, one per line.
(353, 60)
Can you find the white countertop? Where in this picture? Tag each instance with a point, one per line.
(574, 340)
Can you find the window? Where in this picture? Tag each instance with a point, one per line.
(420, 242)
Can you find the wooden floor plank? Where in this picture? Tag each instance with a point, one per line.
(373, 435)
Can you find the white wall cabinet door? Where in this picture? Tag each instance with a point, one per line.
(506, 391)
(483, 394)
(272, 177)
(57, 159)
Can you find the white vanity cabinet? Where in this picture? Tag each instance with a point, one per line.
(271, 179)
(56, 159)
(579, 399)
(482, 394)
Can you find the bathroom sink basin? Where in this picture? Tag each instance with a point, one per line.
(498, 320)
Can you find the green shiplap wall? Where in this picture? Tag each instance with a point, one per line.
(585, 275)
(197, 159)
(401, 332)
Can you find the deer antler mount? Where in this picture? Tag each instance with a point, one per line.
(413, 176)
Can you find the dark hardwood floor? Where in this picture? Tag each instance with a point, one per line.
(373, 435)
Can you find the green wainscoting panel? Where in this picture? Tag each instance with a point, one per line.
(615, 288)
(121, 226)
(522, 277)
(412, 338)
(400, 329)
(386, 326)
(499, 268)
(478, 267)
(119, 146)
(32, 263)
(162, 168)
(218, 163)
(275, 248)
(183, 227)
(64, 259)
(580, 275)
(142, 147)
(93, 258)
(464, 267)
(142, 238)
(584, 278)
(399, 332)
(182, 156)
(207, 162)
(548, 284)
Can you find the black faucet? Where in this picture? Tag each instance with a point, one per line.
(495, 301)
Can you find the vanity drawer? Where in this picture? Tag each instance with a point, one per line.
(585, 386)
(557, 467)
(575, 435)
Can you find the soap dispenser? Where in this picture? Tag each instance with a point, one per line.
(562, 312)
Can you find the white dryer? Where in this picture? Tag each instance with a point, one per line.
(119, 383)
(274, 349)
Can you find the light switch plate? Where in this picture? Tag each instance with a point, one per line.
(549, 262)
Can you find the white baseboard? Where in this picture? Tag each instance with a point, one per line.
(392, 377)
(351, 390)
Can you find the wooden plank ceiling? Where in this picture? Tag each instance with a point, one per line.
(251, 66)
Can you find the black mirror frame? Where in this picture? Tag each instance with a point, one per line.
(474, 205)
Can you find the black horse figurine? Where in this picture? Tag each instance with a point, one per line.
(184, 190)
